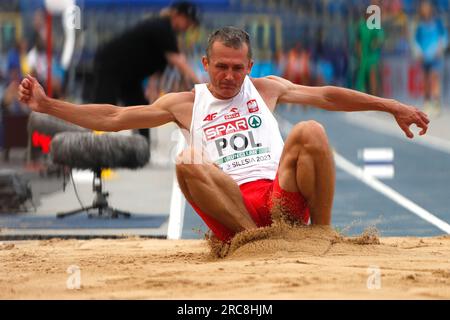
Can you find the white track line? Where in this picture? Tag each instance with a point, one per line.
(176, 216)
(377, 185)
(177, 201)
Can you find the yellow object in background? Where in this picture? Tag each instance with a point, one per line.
(108, 174)
(24, 66)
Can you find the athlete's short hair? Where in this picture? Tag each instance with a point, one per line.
(231, 37)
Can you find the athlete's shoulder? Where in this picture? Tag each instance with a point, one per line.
(179, 97)
(173, 100)
(269, 83)
(269, 80)
(185, 96)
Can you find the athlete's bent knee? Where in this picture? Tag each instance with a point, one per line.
(312, 136)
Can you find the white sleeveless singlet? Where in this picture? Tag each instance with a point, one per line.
(240, 134)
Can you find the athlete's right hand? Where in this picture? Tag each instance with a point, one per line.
(32, 94)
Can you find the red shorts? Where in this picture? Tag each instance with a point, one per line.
(259, 198)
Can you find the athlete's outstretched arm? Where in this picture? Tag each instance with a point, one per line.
(102, 117)
(342, 99)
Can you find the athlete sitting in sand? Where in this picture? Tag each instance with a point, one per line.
(241, 166)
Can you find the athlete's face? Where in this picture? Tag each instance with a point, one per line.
(227, 68)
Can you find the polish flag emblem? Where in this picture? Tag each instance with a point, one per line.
(252, 106)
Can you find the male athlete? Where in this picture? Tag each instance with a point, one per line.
(244, 168)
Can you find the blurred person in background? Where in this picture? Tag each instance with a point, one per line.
(369, 43)
(10, 104)
(324, 72)
(17, 67)
(37, 65)
(39, 28)
(297, 67)
(17, 58)
(122, 64)
(430, 42)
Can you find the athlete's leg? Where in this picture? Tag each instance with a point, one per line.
(307, 166)
(213, 191)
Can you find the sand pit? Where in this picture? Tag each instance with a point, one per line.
(279, 262)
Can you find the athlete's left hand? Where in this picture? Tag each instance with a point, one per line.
(407, 115)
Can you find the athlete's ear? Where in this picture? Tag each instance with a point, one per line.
(250, 66)
(205, 63)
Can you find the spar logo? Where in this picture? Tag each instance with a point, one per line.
(225, 128)
(254, 122)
